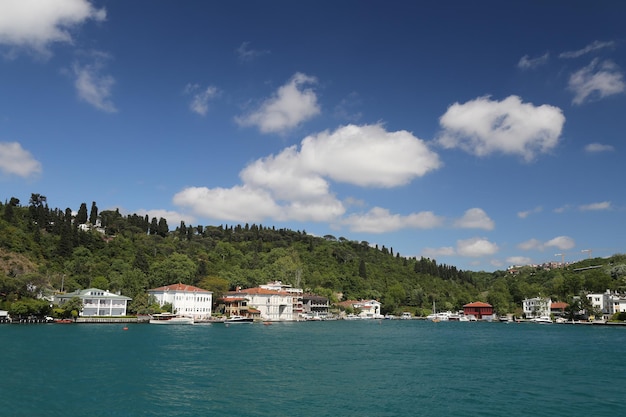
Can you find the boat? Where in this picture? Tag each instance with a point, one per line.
(542, 320)
(170, 318)
(238, 319)
(406, 316)
(437, 317)
(458, 317)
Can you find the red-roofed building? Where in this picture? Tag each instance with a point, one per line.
(478, 309)
(558, 308)
(268, 304)
(186, 300)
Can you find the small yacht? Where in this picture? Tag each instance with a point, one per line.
(169, 318)
(542, 320)
(238, 319)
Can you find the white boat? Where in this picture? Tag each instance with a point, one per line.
(542, 320)
(458, 317)
(443, 316)
(169, 318)
(406, 316)
(436, 317)
(238, 319)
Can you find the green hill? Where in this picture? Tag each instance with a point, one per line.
(44, 250)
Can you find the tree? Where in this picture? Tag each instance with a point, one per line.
(215, 284)
(81, 216)
(73, 307)
(93, 214)
(18, 309)
(162, 229)
(175, 268)
(9, 209)
(362, 269)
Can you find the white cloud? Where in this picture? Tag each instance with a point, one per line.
(476, 247)
(530, 63)
(437, 252)
(532, 244)
(295, 184)
(232, 204)
(483, 126)
(524, 214)
(561, 242)
(15, 160)
(598, 147)
(92, 85)
(519, 260)
(290, 106)
(595, 81)
(286, 176)
(604, 205)
(200, 98)
(562, 209)
(36, 24)
(380, 220)
(368, 155)
(173, 217)
(246, 54)
(596, 45)
(475, 218)
(472, 248)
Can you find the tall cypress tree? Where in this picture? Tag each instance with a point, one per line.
(81, 216)
(93, 215)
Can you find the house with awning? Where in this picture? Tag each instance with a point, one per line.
(266, 304)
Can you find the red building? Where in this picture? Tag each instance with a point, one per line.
(478, 309)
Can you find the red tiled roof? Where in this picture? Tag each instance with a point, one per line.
(257, 290)
(179, 287)
(478, 304)
(559, 305)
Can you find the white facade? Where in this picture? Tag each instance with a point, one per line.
(608, 303)
(537, 307)
(272, 304)
(97, 302)
(369, 309)
(186, 300)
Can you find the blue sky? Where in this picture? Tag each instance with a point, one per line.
(480, 134)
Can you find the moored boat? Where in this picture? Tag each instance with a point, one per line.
(238, 319)
(542, 320)
(169, 318)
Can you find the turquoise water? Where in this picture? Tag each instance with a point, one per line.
(344, 368)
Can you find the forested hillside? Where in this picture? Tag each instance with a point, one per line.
(44, 250)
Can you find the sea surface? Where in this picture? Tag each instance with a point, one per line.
(341, 368)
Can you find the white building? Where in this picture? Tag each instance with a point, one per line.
(97, 302)
(271, 304)
(608, 303)
(537, 307)
(296, 294)
(186, 300)
(368, 309)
